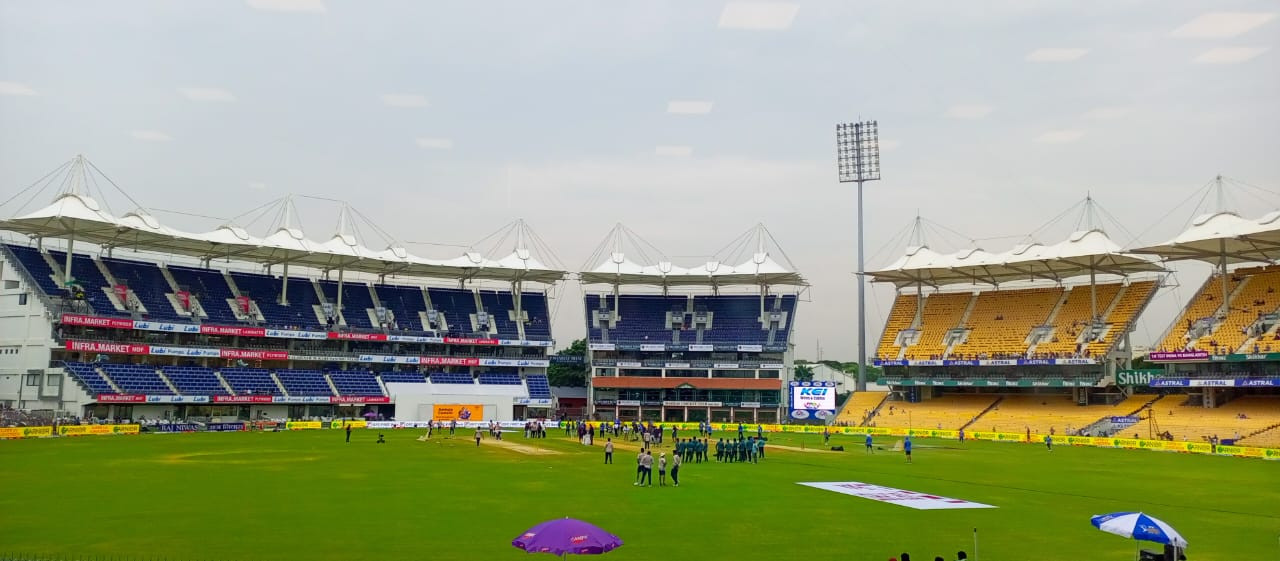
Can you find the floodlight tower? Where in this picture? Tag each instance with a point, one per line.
(858, 161)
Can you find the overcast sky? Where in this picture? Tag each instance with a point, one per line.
(688, 121)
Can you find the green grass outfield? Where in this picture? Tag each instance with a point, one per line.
(308, 496)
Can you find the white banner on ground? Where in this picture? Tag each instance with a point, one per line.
(900, 497)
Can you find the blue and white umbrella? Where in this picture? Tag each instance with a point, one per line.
(1139, 526)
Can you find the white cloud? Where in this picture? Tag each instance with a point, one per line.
(404, 100)
(312, 6)
(16, 88)
(217, 95)
(150, 136)
(673, 150)
(1228, 55)
(1055, 55)
(689, 107)
(887, 145)
(970, 111)
(758, 15)
(1060, 136)
(435, 143)
(1106, 113)
(1221, 25)
(257, 185)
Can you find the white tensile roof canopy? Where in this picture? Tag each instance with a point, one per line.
(748, 260)
(1223, 237)
(1083, 253)
(77, 217)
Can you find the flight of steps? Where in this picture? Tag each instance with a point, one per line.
(279, 384)
(168, 382)
(964, 320)
(225, 384)
(975, 418)
(332, 386)
(110, 382)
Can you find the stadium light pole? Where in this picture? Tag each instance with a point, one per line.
(858, 161)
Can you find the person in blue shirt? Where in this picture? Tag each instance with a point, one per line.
(741, 428)
(759, 431)
(720, 450)
(906, 447)
(870, 450)
(760, 448)
(1048, 441)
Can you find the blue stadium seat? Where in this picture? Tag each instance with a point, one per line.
(88, 376)
(194, 380)
(38, 268)
(146, 282)
(451, 378)
(136, 378)
(304, 382)
(456, 306)
(250, 381)
(404, 302)
(210, 288)
(403, 377)
(539, 388)
(355, 382)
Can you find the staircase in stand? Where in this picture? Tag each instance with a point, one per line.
(110, 382)
(168, 382)
(975, 418)
(225, 384)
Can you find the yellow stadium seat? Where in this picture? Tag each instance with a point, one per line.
(859, 405)
(1059, 413)
(947, 412)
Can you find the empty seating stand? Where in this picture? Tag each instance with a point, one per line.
(38, 268)
(265, 292)
(404, 302)
(210, 288)
(304, 382)
(498, 305)
(500, 379)
(84, 271)
(355, 382)
(451, 378)
(194, 380)
(356, 301)
(88, 376)
(539, 388)
(136, 379)
(250, 381)
(147, 283)
(735, 319)
(457, 307)
(403, 377)
(538, 327)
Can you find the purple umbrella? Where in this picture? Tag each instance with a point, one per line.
(370, 415)
(566, 535)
